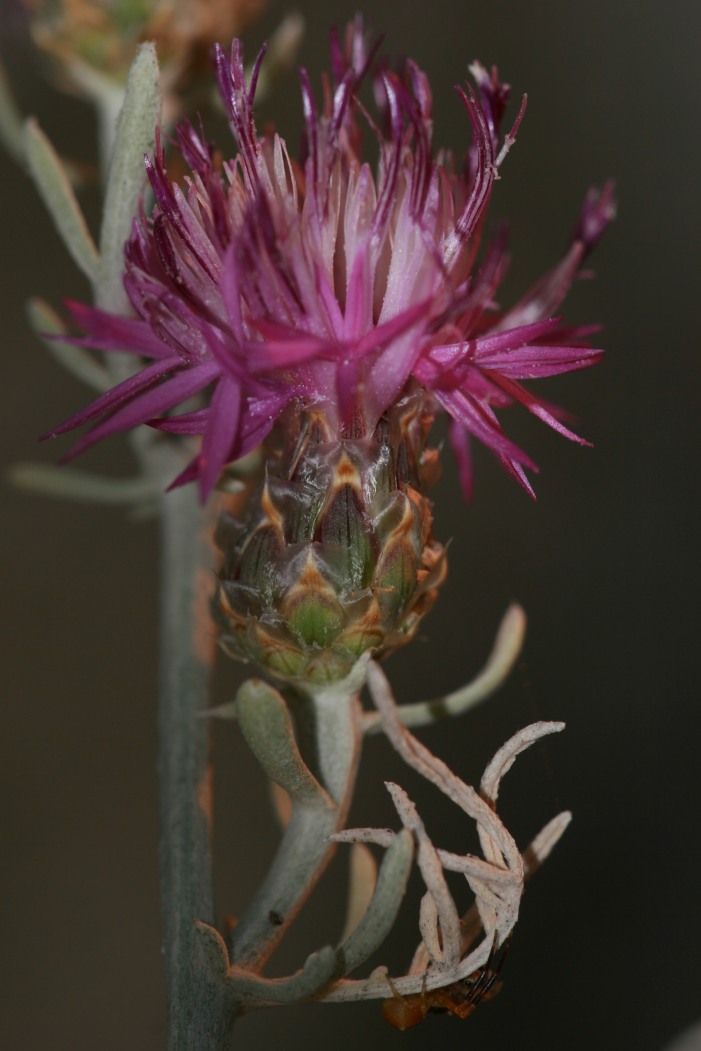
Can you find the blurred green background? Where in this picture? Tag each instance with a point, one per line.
(605, 955)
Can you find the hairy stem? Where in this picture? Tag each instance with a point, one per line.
(198, 1018)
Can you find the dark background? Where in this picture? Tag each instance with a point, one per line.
(605, 955)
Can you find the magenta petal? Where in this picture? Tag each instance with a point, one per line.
(333, 315)
(481, 422)
(231, 293)
(111, 333)
(219, 438)
(286, 353)
(514, 337)
(546, 295)
(382, 335)
(259, 419)
(451, 354)
(598, 211)
(189, 423)
(238, 102)
(460, 444)
(257, 430)
(393, 154)
(346, 387)
(399, 348)
(533, 405)
(112, 399)
(484, 173)
(537, 362)
(272, 354)
(150, 403)
(494, 97)
(188, 475)
(358, 313)
(514, 468)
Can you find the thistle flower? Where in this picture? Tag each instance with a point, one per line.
(334, 312)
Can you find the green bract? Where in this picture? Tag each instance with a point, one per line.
(337, 555)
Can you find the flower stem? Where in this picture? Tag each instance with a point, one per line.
(198, 1018)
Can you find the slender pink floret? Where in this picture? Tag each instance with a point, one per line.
(267, 285)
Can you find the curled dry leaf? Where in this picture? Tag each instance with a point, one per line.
(497, 880)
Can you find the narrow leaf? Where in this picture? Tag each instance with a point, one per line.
(57, 194)
(504, 758)
(318, 970)
(11, 134)
(539, 849)
(384, 904)
(67, 484)
(507, 647)
(266, 724)
(135, 137)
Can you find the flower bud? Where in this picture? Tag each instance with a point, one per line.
(337, 556)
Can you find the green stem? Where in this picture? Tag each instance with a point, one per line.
(199, 1019)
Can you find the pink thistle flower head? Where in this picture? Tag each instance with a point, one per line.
(341, 307)
(268, 286)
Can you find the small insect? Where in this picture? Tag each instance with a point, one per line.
(459, 999)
